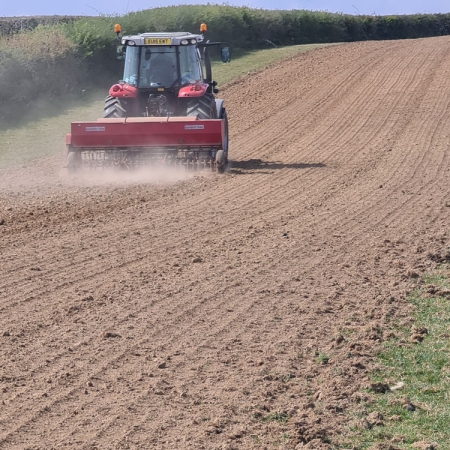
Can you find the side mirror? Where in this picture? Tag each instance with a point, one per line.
(225, 54)
(121, 50)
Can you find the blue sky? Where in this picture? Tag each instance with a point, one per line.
(110, 7)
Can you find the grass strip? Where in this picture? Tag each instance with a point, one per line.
(417, 415)
(253, 61)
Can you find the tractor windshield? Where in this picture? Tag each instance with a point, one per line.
(150, 66)
(156, 66)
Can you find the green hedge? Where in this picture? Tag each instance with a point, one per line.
(40, 63)
(12, 25)
(77, 52)
(247, 28)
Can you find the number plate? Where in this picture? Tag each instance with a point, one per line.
(157, 41)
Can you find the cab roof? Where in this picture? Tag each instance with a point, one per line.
(175, 38)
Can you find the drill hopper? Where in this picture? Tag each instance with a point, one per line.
(132, 142)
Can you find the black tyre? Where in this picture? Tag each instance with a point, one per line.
(114, 107)
(203, 107)
(224, 116)
(220, 161)
(73, 162)
(222, 155)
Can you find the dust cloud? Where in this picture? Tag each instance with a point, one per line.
(48, 176)
(149, 175)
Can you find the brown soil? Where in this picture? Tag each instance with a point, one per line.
(238, 311)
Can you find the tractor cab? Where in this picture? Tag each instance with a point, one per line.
(167, 60)
(165, 74)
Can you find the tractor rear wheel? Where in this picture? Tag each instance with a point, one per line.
(114, 107)
(203, 107)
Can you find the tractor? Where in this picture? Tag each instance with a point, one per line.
(163, 110)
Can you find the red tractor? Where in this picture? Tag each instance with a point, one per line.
(164, 110)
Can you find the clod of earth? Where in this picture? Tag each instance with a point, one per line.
(110, 334)
(397, 386)
(379, 388)
(375, 419)
(423, 445)
(409, 407)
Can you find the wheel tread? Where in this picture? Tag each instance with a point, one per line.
(202, 107)
(114, 107)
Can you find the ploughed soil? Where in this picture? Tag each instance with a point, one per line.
(234, 311)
